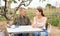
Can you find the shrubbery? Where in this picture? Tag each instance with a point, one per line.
(53, 18)
(2, 18)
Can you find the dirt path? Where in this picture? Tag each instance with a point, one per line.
(55, 31)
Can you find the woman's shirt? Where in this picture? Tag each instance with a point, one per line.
(40, 22)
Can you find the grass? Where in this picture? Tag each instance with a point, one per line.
(53, 16)
(50, 14)
(2, 18)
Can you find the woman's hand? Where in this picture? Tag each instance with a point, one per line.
(34, 26)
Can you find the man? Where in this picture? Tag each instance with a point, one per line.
(22, 20)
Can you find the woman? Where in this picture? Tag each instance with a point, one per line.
(40, 22)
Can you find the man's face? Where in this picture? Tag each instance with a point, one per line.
(23, 12)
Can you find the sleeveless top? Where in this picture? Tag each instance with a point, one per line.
(39, 23)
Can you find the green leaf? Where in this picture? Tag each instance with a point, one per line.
(29, 2)
(42, 0)
(3, 0)
(18, 0)
(15, 2)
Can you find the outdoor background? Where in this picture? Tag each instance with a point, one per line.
(51, 10)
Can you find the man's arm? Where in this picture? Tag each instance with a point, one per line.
(29, 22)
(15, 21)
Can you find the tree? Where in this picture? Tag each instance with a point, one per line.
(8, 3)
(42, 0)
(48, 5)
(7, 8)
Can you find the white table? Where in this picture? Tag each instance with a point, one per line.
(1, 33)
(23, 29)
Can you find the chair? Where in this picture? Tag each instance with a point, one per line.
(48, 28)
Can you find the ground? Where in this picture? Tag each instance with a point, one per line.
(55, 31)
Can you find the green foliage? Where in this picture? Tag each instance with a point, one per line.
(54, 19)
(12, 1)
(31, 15)
(42, 0)
(53, 6)
(2, 18)
(50, 6)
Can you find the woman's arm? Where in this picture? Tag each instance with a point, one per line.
(34, 23)
(43, 22)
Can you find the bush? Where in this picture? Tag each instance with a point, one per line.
(54, 19)
(2, 18)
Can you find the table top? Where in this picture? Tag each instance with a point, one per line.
(22, 29)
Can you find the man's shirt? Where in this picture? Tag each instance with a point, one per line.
(22, 20)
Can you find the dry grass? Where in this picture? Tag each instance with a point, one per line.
(54, 31)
